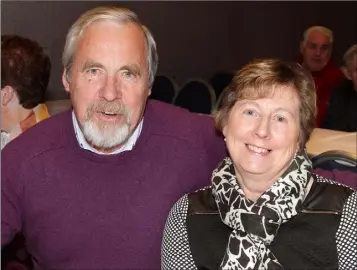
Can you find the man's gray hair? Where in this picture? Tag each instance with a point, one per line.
(350, 55)
(323, 30)
(116, 14)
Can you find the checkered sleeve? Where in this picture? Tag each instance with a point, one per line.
(346, 236)
(175, 253)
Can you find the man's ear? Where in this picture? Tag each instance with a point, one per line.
(65, 80)
(7, 94)
(346, 73)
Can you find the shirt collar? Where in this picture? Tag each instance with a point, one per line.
(128, 146)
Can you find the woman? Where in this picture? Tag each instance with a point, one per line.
(341, 112)
(265, 208)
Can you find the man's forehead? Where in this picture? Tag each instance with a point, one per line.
(317, 37)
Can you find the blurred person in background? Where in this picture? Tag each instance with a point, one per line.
(316, 48)
(25, 73)
(342, 109)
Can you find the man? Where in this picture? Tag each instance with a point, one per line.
(342, 110)
(94, 186)
(25, 73)
(316, 49)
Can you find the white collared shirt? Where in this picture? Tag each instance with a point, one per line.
(85, 145)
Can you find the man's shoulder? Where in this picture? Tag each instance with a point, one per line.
(175, 121)
(333, 72)
(45, 135)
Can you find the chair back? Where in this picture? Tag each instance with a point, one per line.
(220, 80)
(163, 89)
(220, 99)
(196, 96)
(338, 165)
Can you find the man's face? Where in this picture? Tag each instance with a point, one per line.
(108, 82)
(316, 51)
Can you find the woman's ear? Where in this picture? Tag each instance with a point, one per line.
(346, 73)
(65, 80)
(7, 94)
(224, 131)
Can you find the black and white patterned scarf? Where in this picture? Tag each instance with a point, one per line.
(255, 224)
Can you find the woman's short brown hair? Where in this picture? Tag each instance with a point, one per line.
(259, 78)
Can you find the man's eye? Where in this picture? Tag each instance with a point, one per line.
(128, 74)
(93, 71)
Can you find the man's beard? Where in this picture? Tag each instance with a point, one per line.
(102, 134)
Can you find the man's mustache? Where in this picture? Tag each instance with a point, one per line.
(109, 107)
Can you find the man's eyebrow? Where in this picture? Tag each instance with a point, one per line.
(135, 69)
(318, 44)
(91, 64)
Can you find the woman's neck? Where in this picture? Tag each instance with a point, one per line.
(16, 117)
(253, 187)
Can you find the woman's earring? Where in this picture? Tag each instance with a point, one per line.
(225, 139)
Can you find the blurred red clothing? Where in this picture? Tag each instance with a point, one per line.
(326, 81)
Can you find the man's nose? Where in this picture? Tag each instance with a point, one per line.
(111, 89)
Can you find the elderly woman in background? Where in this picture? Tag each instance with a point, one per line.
(265, 209)
(342, 109)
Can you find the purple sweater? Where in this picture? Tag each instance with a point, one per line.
(80, 210)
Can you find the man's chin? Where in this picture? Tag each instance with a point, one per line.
(105, 135)
(105, 141)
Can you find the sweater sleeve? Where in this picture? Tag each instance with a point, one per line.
(346, 236)
(175, 253)
(11, 196)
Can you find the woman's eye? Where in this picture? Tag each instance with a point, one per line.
(249, 112)
(280, 119)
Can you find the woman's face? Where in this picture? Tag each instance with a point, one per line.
(262, 135)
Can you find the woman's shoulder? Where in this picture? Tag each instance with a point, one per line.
(194, 200)
(327, 195)
(201, 201)
(330, 183)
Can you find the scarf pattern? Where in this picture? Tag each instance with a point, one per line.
(255, 224)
